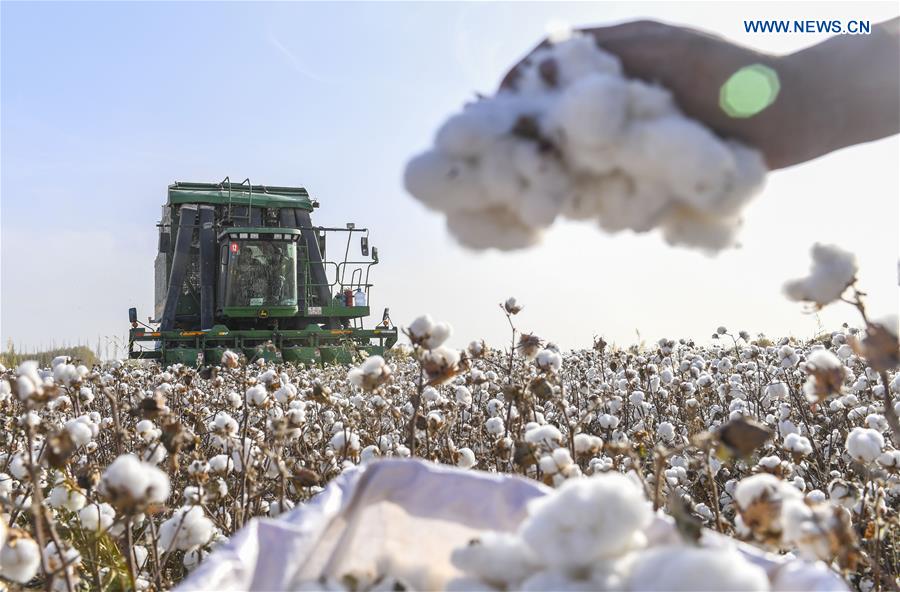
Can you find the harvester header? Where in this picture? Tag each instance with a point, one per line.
(242, 267)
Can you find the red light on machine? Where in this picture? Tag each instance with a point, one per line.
(234, 247)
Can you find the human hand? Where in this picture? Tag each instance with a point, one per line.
(817, 108)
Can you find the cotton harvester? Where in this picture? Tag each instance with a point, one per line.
(242, 267)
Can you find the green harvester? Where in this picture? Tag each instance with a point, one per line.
(241, 267)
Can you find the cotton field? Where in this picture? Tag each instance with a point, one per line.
(129, 476)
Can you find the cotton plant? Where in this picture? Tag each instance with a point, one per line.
(573, 137)
(778, 514)
(832, 278)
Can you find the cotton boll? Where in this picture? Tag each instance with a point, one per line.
(97, 517)
(369, 453)
(494, 425)
(374, 371)
(845, 351)
(471, 133)
(79, 432)
(465, 458)
(498, 558)
(286, 393)
(591, 161)
(877, 422)
(562, 458)
(666, 431)
(463, 395)
(276, 508)
(537, 211)
(530, 81)
(649, 101)
(807, 527)
(430, 394)
(421, 327)
(589, 113)
(539, 167)
(443, 183)
(18, 466)
(439, 333)
(588, 519)
(640, 210)
(746, 181)
(20, 559)
(578, 57)
(345, 443)
(864, 444)
(154, 454)
(890, 459)
(62, 497)
(187, 529)
(548, 360)
(689, 227)
(686, 568)
(256, 395)
(498, 177)
(832, 270)
(797, 444)
(683, 155)
(591, 196)
(587, 444)
(760, 487)
(556, 580)
(548, 435)
(59, 560)
(547, 465)
(547, 185)
(496, 227)
(131, 482)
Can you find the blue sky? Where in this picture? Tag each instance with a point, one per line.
(105, 104)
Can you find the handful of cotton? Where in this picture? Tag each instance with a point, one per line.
(575, 138)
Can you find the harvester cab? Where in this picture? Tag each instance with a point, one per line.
(242, 267)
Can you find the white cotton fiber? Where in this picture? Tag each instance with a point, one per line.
(683, 155)
(591, 112)
(576, 58)
(573, 138)
(586, 521)
(681, 568)
(498, 176)
(832, 270)
(443, 183)
(646, 101)
(693, 228)
(495, 228)
(470, 133)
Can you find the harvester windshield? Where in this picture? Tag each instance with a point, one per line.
(261, 273)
